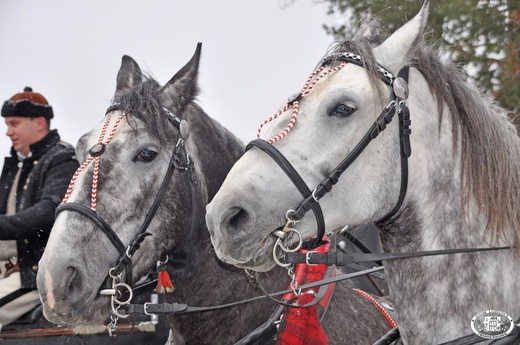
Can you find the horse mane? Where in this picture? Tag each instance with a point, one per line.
(489, 144)
(483, 135)
(142, 102)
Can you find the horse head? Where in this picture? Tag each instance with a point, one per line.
(345, 134)
(335, 109)
(387, 133)
(135, 199)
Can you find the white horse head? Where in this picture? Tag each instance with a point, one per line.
(333, 117)
(461, 189)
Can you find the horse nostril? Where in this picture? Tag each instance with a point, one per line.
(237, 218)
(70, 281)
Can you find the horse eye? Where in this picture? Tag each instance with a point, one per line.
(343, 110)
(145, 156)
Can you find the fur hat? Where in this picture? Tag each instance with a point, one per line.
(27, 104)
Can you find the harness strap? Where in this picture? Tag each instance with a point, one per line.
(344, 259)
(289, 170)
(389, 337)
(377, 127)
(267, 327)
(12, 296)
(126, 253)
(177, 308)
(406, 150)
(311, 198)
(105, 227)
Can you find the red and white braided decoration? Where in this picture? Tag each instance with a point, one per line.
(97, 159)
(295, 104)
(383, 311)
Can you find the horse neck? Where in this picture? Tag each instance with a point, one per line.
(445, 291)
(215, 149)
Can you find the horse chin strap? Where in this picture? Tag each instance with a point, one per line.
(311, 198)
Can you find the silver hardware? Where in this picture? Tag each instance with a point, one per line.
(400, 87)
(184, 129)
(108, 292)
(308, 257)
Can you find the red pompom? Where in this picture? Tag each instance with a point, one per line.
(164, 282)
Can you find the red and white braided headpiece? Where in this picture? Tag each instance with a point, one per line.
(295, 100)
(94, 154)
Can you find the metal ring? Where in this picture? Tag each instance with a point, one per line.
(112, 274)
(163, 262)
(300, 241)
(275, 256)
(288, 216)
(114, 310)
(131, 293)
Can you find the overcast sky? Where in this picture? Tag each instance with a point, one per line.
(255, 54)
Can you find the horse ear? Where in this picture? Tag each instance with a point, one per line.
(129, 75)
(395, 50)
(182, 88)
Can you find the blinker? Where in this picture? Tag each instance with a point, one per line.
(400, 87)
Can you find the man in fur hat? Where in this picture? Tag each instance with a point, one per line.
(33, 182)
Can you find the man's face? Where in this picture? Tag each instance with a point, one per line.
(23, 131)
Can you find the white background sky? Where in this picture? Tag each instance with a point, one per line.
(255, 54)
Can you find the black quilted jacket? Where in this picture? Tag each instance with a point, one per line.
(42, 184)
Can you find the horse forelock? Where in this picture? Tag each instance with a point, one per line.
(142, 102)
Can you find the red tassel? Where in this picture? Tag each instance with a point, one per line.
(164, 282)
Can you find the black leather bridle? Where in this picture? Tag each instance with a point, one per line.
(124, 262)
(311, 198)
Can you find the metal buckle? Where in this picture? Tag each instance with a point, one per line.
(146, 309)
(307, 257)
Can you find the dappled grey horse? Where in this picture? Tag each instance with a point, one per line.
(443, 175)
(150, 167)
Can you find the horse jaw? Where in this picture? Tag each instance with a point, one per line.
(394, 51)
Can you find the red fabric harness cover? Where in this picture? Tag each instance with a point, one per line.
(301, 326)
